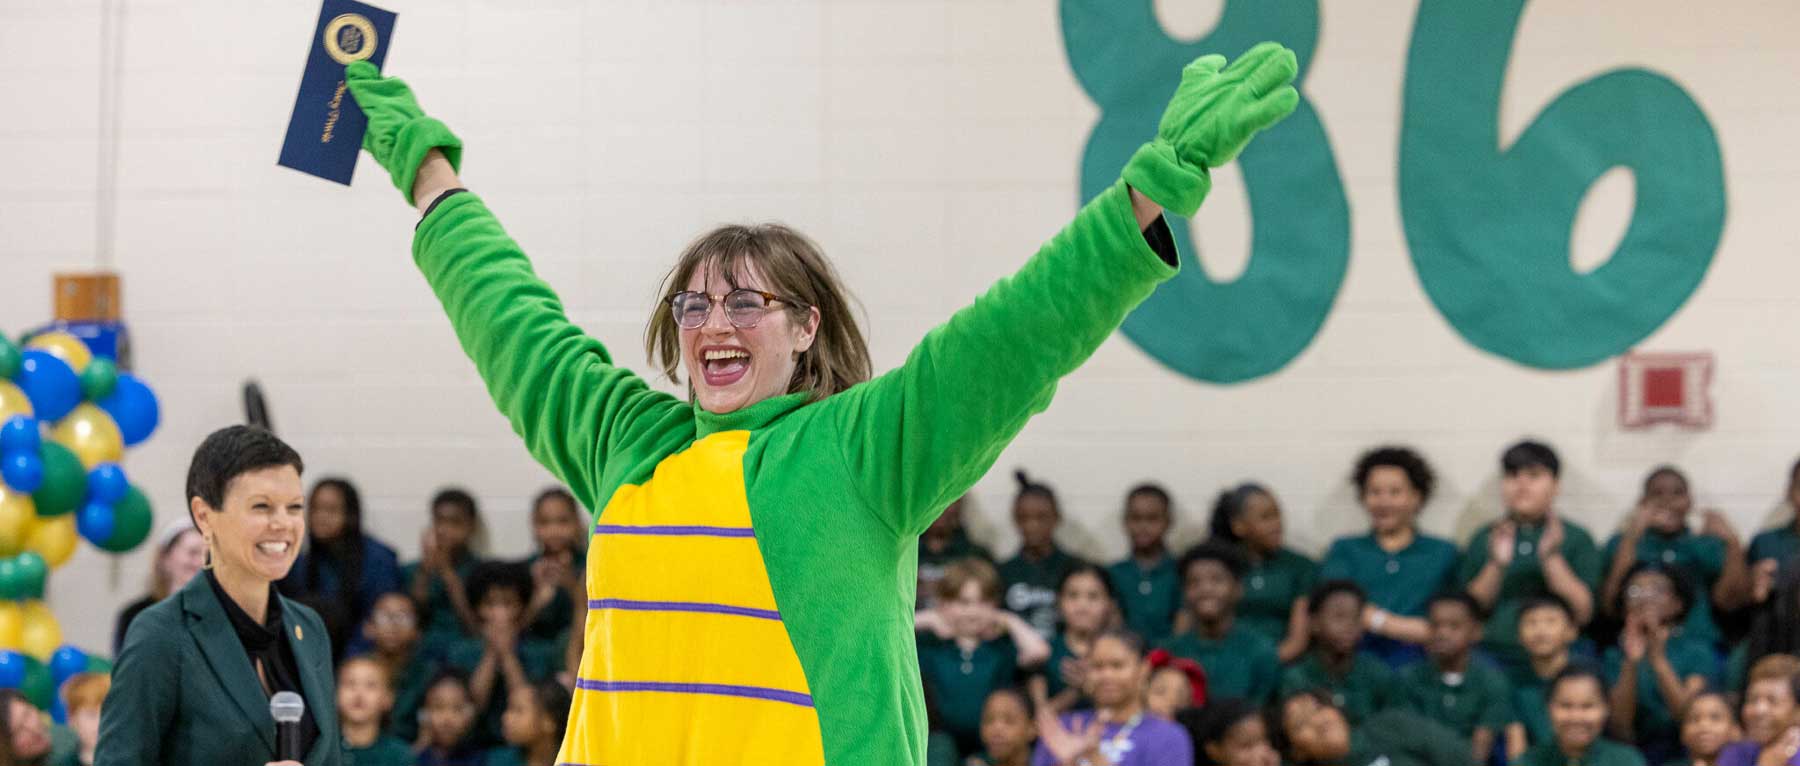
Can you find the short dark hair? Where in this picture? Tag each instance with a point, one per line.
(1152, 489)
(555, 493)
(1016, 693)
(1226, 555)
(1210, 724)
(1666, 470)
(1278, 736)
(491, 575)
(458, 497)
(1418, 472)
(1098, 572)
(1460, 598)
(1576, 671)
(231, 452)
(1322, 592)
(1548, 601)
(446, 674)
(1125, 636)
(1681, 582)
(1530, 454)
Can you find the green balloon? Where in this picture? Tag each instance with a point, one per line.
(131, 522)
(32, 574)
(98, 664)
(99, 378)
(39, 686)
(65, 480)
(9, 579)
(10, 357)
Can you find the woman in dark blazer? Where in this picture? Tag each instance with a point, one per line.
(193, 683)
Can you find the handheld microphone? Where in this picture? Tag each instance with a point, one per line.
(287, 708)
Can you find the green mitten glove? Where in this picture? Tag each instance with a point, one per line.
(399, 133)
(1210, 119)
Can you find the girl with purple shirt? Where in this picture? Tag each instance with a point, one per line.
(1119, 731)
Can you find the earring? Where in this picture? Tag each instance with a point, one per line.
(207, 562)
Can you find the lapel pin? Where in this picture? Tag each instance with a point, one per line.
(299, 635)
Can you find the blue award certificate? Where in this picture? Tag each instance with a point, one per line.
(326, 132)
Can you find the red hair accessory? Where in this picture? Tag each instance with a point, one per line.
(1161, 658)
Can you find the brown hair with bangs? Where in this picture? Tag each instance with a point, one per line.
(798, 271)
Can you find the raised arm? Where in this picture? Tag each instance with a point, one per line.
(919, 436)
(555, 384)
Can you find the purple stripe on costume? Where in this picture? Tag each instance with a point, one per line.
(673, 530)
(682, 606)
(727, 690)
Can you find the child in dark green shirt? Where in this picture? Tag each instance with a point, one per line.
(1658, 532)
(1547, 630)
(1578, 714)
(1358, 683)
(437, 580)
(1656, 667)
(1469, 697)
(505, 656)
(1149, 587)
(1531, 551)
(393, 631)
(559, 567)
(1238, 662)
(1276, 579)
(1086, 604)
(365, 697)
(968, 647)
(1314, 731)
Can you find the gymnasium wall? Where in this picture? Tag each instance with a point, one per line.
(929, 146)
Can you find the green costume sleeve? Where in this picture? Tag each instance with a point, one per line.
(922, 434)
(557, 386)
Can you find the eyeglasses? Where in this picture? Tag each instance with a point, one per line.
(391, 619)
(743, 306)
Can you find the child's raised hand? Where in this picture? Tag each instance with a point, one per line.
(1501, 543)
(1714, 524)
(1632, 640)
(1550, 543)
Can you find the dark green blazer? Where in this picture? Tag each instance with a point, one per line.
(184, 692)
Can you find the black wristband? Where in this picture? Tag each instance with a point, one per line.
(1162, 241)
(439, 201)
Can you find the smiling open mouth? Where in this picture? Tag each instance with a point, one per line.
(724, 366)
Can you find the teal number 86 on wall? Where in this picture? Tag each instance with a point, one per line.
(1487, 226)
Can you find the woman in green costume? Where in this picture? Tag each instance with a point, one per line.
(750, 583)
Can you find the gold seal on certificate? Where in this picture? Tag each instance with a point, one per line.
(350, 37)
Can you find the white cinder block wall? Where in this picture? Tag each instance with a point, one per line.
(930, 145)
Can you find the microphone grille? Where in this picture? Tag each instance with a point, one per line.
(286, 707)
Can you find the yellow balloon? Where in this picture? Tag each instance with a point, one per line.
(53, 538)
(91, 434)
(12, 401)
(12, 623)
(39, 635)
(17, 513)
(64, 346)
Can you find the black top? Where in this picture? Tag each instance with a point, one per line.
(269, 653)
(126, 615)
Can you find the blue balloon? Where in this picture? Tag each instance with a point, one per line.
(67, 661)
(58, 713)
(133, 407)
(50, 383)
(12, 669)
(95, 522)
(23, 471)
(106, 484)
(20, 434)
